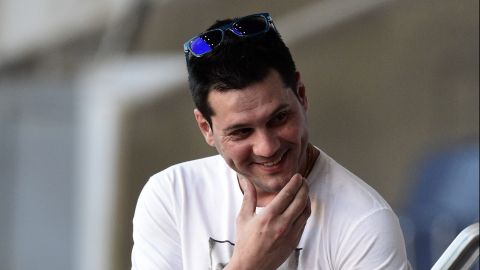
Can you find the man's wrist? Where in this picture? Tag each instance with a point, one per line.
(235, 265)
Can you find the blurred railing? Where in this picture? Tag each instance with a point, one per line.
(463, 251)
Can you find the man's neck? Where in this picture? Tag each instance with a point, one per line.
(312, 154)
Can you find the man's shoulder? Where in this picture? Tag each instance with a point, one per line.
(210, 161)
(205, 167)
(346, 187)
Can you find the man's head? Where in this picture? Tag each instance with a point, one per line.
(251, 106)
(238, 62)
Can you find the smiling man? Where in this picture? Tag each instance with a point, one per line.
(261, 132)
(270, 199)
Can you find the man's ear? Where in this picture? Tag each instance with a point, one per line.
(204, 127)
(301, 95)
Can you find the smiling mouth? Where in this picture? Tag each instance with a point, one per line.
(273, 163)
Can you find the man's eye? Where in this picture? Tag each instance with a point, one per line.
(240, 133)
(279, 118)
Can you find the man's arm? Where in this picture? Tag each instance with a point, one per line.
(156, 239)
(264, 241)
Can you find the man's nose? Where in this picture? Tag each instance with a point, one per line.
(265, 144)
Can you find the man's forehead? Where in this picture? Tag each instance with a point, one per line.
(238, 101)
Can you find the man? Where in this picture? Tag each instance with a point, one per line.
(270, 199)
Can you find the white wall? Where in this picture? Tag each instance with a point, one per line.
(29, 26)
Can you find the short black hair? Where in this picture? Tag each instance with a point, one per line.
(237, 63)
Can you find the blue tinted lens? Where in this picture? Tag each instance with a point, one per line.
(205, 42)
(250, 25)
(199, 46)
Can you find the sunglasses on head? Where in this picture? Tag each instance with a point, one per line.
(247, 26)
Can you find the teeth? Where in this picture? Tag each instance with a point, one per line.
(270, 164)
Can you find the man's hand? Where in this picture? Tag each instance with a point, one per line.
(265, 240)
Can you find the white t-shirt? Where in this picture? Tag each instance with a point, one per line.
(185, 219)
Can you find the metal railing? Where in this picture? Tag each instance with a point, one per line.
(462, 253)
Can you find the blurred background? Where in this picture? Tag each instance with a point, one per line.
(94, 100)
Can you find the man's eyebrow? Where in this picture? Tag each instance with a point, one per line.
(244, 125)
(234, 127)
(280, 108)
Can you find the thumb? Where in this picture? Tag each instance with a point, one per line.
(249, 203)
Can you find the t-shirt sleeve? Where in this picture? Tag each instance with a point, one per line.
(155, 235)
(375, 242)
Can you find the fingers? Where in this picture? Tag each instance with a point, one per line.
(299, 224)
(287, 195)
(299, 203)
(249, 203)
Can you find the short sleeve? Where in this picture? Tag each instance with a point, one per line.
(155, 235)
(375, 242)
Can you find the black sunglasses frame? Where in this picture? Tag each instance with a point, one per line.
(228, 27)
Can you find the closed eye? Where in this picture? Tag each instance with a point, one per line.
(279, 118)
(240, 133)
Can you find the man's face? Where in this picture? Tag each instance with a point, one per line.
(260, 131)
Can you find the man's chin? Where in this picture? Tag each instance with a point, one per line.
(274, 184)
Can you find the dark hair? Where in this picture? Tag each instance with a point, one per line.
(237, 63)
